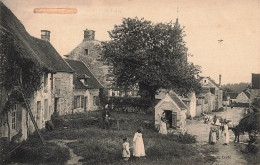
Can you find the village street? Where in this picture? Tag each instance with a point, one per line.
(228, 154)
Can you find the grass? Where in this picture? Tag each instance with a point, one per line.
(33, 152)
(99, 146)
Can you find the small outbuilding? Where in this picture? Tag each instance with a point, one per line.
(175, 113)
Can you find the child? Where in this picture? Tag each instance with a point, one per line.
(126, 151)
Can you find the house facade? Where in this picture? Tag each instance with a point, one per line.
(175, 113)
(42, 103)
(88, 51)
(243, 97)
(208, 84)
(255, 91)
(86, 88)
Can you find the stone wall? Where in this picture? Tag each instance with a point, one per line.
(181, 115)
(63, 90)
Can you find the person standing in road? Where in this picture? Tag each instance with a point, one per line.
(226, 133)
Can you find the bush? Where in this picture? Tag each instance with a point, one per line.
(187, 138)
(32, 151)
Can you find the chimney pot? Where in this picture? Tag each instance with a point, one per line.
(220, 80)
(89, 35)
(45, 35)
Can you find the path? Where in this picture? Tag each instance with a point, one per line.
(74, 159)
(228, 154)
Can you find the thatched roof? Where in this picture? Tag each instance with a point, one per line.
(56, 61)
(12, 29)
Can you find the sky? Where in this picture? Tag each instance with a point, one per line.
(236, 22)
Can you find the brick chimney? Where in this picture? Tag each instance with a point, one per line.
(45, 35)
(219, 81)
(89, 35)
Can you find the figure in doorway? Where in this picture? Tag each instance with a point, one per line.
(163, 127)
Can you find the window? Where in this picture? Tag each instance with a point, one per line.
(86, 51)
(205, 81)
(78, 101)
(14, 117)
(45, 82)
(51, 82)
(46, 109)
(95, 100)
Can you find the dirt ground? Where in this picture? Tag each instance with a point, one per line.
(227, 154)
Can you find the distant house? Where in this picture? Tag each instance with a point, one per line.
(255, 92)
(86, 87)
(243, 97)
(214, 88)
(175, 112)
(229, 98)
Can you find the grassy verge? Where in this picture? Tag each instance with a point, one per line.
(100, 146)
(32, 151)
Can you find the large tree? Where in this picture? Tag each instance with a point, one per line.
(152, 56)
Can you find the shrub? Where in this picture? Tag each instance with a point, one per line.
(187, 138)
(32, 151)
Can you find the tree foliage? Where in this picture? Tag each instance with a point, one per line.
(152, 56)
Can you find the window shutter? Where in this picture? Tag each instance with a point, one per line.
(75, 102)
(82, 101)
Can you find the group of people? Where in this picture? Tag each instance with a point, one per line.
(138, 146)
(215, 129)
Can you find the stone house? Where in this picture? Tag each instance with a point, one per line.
(255, 91)
(229, 98)
(41, 53)
(175, 112)
(208, 84)
(243, 97)
(88, 51)
(191, 103)
(86, 88)
(62, 79)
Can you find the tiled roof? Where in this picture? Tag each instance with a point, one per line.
(81, 69)
(255, 81)
(211, 80)
(248, 94)
(53, 57)
(177, 100)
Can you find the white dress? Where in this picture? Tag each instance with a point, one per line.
(226, 134)
(163, 128)
(126, 152)
(138, 145)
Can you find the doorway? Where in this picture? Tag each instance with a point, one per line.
(168, 116)
(56, 105)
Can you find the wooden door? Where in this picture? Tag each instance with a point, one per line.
(174, 119)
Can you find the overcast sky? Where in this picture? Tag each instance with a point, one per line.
(236, 22)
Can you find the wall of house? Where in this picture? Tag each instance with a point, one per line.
(242, 98)
(42, 105)
(93, 105)
(63, 91)
(254, 94)
(79, 92)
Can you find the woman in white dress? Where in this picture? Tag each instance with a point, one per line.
(138, 144)
(163, 127)
(226, 134)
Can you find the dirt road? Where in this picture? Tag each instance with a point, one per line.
(228, 154)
